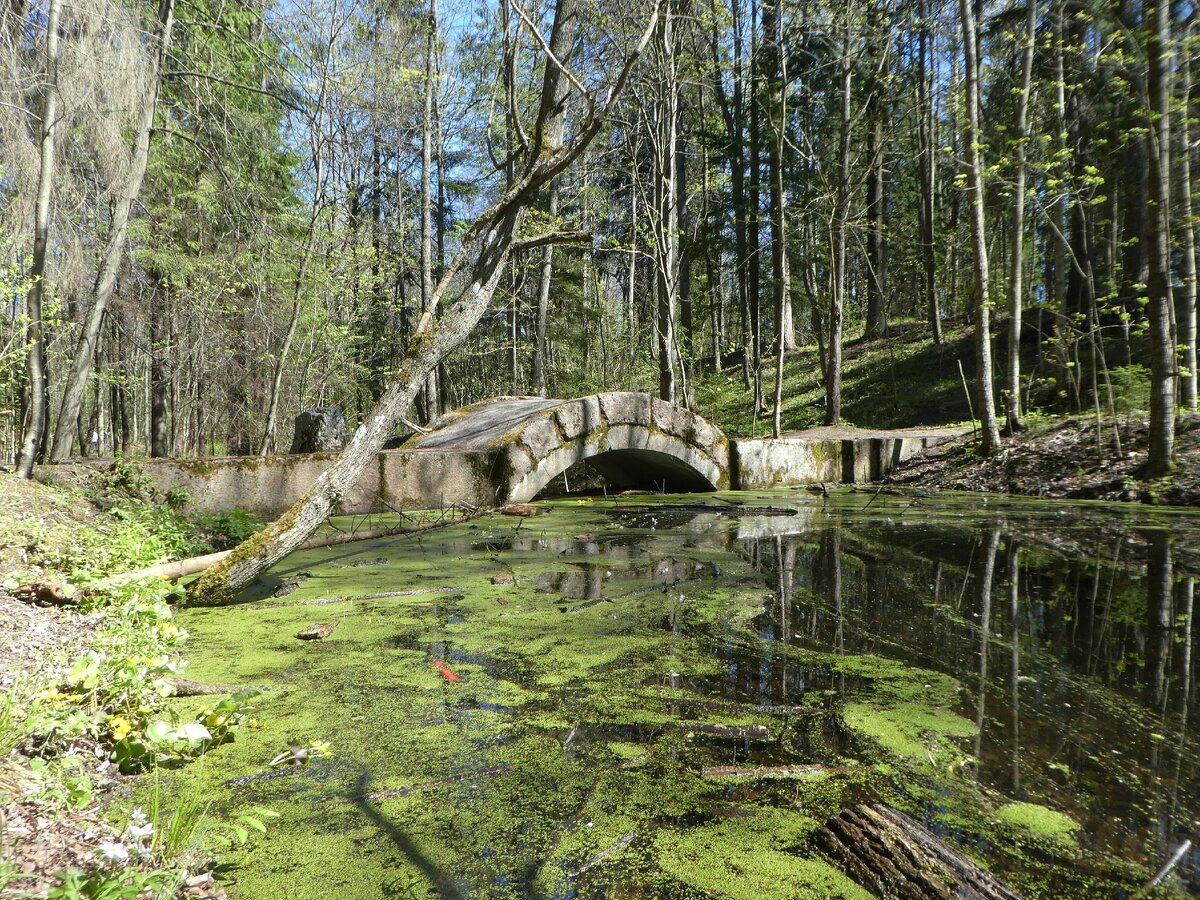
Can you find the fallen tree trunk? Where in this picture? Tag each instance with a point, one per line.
(184, 567)
(890, 854)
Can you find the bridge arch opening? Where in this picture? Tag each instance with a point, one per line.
(633, 469)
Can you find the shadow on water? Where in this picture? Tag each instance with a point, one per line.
(446, 885)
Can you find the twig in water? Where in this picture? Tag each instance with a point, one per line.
(1167, 868)
(604, 854)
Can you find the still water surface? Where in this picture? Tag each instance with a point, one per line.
(1020, 676)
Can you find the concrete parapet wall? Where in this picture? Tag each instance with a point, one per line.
(509, 449)
(764, 463)
(266, 486)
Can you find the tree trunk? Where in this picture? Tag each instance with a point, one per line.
(876, 203)
(775, 63)
(114, 248)
(928, 167)
(1186, 316)
(989, 428)
(1015, 299)
(666, 237)
(1161, 458)
(35, 361)
(753, 222)
(841, 213)
(473, 275)
(562, 41)
(428, 308)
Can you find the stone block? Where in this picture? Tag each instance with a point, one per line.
(570, 419)
(320, 430)
(540, 436)
(626, 408)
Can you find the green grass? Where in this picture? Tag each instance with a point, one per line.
(900, 380)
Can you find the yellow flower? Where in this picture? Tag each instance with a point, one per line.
(215, 720)
(320, 748)
(120, 727)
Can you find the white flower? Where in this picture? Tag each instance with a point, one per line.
(137, 817)
(141, 831)
(114, 852)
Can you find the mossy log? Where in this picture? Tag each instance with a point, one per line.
(892, 855)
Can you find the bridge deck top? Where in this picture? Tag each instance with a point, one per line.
(480, 426)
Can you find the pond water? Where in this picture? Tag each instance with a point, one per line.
(1018, 676)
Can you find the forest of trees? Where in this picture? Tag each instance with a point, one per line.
(213, 215)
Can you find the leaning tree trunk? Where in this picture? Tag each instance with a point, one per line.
(473, 276)
(988, 426)
(35, 362)
(114, 248)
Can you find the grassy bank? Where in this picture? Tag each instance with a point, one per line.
(86, 664)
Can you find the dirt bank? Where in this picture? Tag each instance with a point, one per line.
(1069, 458)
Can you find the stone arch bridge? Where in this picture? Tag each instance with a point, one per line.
(509, 448)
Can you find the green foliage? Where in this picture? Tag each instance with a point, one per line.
(224, 531)
(120, 885)
(1130, 387)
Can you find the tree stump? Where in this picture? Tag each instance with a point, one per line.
(319, 430)
(891, 855)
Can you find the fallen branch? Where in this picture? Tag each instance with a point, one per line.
(603, 855)
(764, 709)
(184, 567)
(804, 771)
(739, 732)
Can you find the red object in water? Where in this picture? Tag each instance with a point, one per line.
(446, 673)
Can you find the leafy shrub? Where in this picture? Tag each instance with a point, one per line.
(224, 531)
(1130, 387)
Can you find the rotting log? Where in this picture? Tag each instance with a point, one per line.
(896, 857)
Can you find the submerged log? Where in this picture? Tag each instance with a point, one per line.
(739, 732)
(317, 632)
(894, 856)
(521, 509)
(186, 687)
(754, 772)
